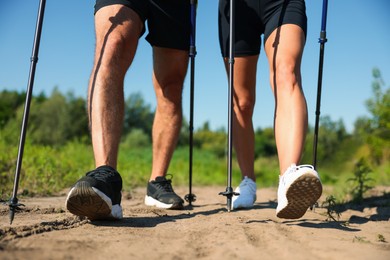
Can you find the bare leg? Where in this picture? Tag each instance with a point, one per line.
(117, 32)
(244, 102)
(170, 68)
(284, 50)
(98, 194)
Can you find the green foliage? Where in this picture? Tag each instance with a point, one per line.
(137, 138)
(58, 119)
(360, 239)
(267, 171)
(207, 168)
(78, 119)
(361, 180)
(138, 114)
(376, 129)
(184, 136)
(7, 166)
(212, 141)
(265, 142)
(11, 131)
(52, 121)
(331, 206)
(381, 238)
(48, 121)
(331, 135)
(135, 166)
(58, 150)
(45, 169)
(9, 102)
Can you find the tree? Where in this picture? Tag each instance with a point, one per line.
(138, 115)
(11, 113)
(54, 120)
(214, 141)
(48, 120)
(265, 144)
(332, 136)
(9, 102)
(375, 130)
(77, 128)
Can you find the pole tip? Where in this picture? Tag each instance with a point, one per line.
(11, 215)
(13, 207)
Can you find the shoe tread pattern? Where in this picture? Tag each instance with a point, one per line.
(85, 202)
(301, 195)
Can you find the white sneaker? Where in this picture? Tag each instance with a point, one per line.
(247, 197)
(299, 188)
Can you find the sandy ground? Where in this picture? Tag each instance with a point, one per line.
(44, 230)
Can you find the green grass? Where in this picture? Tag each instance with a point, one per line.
(47, 170)
(135, 167)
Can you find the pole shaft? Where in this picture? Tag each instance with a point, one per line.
(34, 60)
(322, 40)
(230, 102)
(192, 53)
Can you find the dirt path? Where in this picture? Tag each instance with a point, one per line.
(44, 230)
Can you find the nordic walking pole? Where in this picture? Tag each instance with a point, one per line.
(322, 40)
(229, 190)
(13, 203)
(190, 197)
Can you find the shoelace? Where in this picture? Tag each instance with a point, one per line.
(244, 183)
(293, 168)
(164, 185)
(101, 174)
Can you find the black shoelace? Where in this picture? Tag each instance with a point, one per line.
(164, 185)
(101, 174)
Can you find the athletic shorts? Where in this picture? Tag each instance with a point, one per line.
(254, 18)
(168, 21)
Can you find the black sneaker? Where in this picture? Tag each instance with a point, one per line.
(160, 193)
(97, 195)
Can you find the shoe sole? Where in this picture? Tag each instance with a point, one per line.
(150, 201)
(301, 195)
(86, 201)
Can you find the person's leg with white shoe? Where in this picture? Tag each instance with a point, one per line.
(299, 186)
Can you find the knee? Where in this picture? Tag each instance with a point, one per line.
(169, 96)
(115, 52)
(171, 85)
(244, 108)
(287, 76)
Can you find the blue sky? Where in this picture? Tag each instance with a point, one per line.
(358, 40)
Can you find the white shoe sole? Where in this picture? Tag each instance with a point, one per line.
(301, 195)
(86, 201)
(150, 201)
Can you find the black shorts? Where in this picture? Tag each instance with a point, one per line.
(254, 18)
(168, 20)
